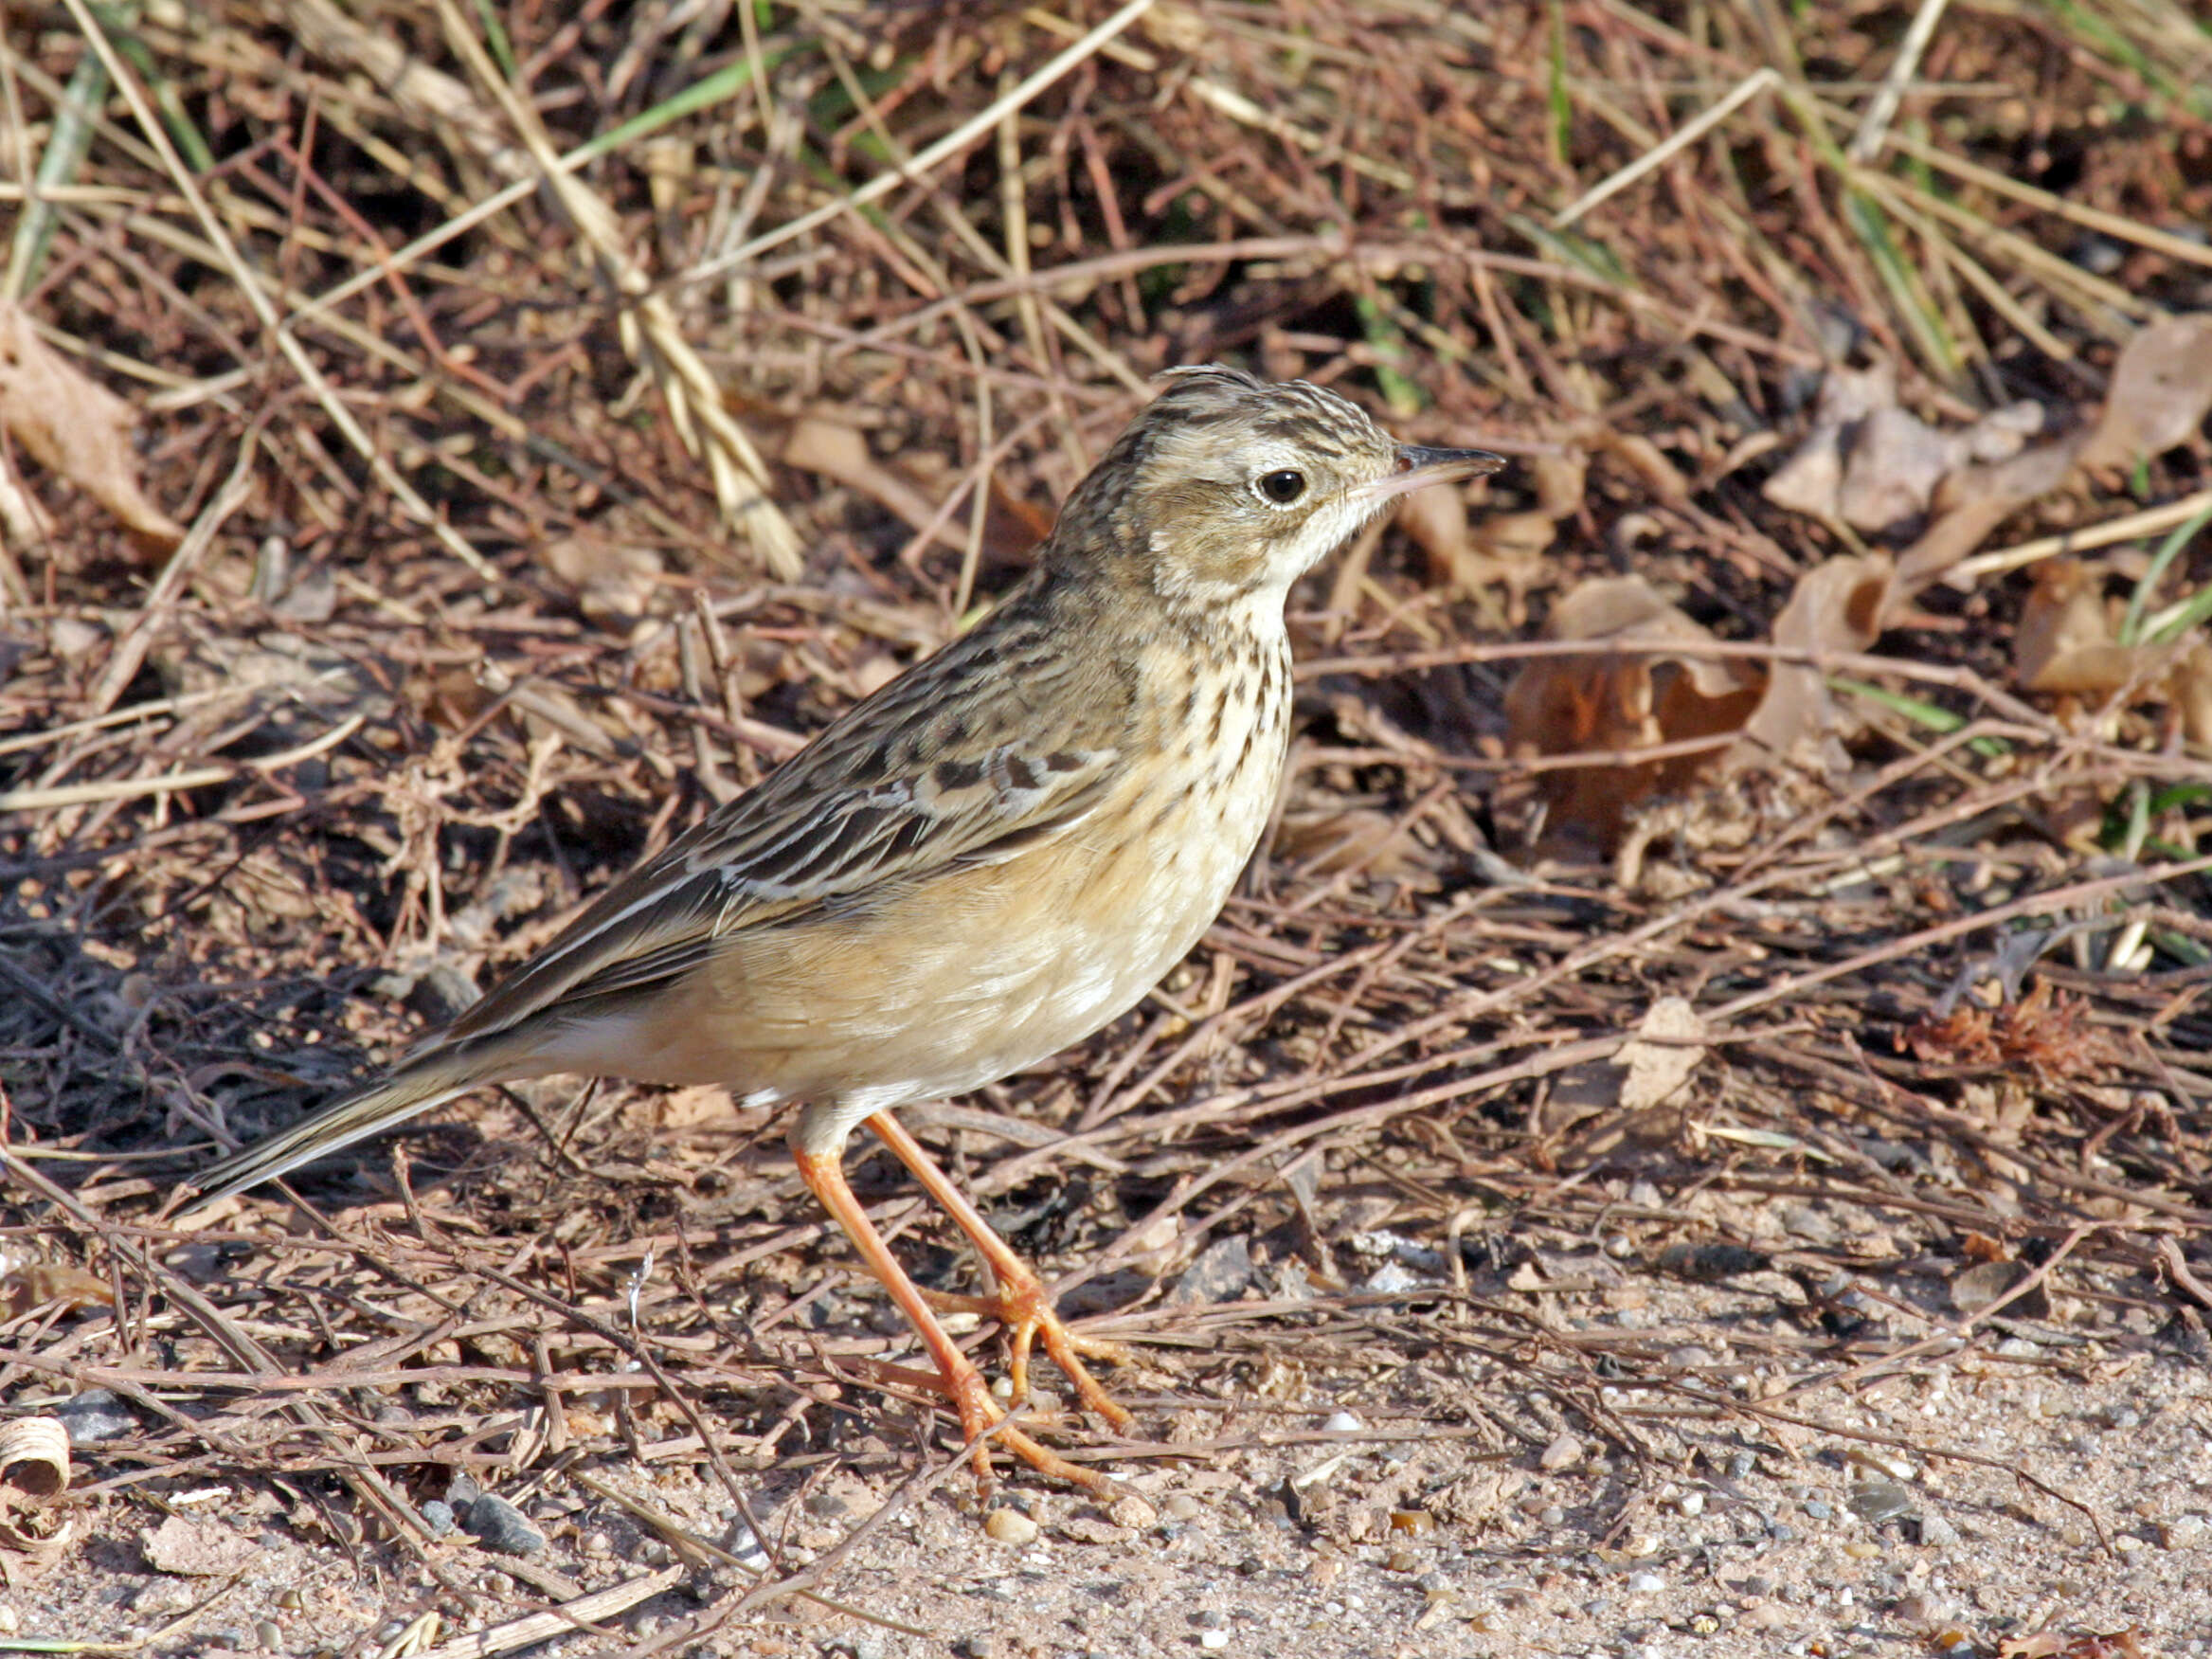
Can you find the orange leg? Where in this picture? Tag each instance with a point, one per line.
(1021, 1304)
(980, 1414)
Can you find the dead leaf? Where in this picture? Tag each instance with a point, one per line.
(77, 429)
(838, 450)
(1562, 478)
(2064, 641)
(2088, 1645)
(1436, 521)
(1658, 1060)
(197, 1548)
(1357, 837)
(2045, 1031)
(615, 580)
(1873, 464)
(1633, 694)
(2066, 648)
(1837, 607)
(1975, 501)
(1659, 474)
(1811, 480)
(45, 1284)
(2161, 391)
(2190, 686)
(1501, 550)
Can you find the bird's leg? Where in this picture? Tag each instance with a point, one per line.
(822, 1167)
(1021, 1304)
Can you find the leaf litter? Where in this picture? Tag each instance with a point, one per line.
(1798, 1112)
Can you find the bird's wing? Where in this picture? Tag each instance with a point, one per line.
(959, 768)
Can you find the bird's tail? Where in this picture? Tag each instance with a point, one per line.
(416, 1087)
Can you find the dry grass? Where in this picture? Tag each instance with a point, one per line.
(525, 535)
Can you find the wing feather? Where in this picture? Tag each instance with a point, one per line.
(914, 780)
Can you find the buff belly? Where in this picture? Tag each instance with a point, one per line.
(940, 987)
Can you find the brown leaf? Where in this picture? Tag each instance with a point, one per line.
(77, 429)
(1562, 478)
(2046, 1031)
(1436, 522)
(1658, 1060)
(1353, 838)
(44, 1284)
(2161, 391)
(1811, 480)
(838, 450)
(1837, 607)
(615, 580)
(1975, 501)
(1503, 548)
(1873, 464)
(2065, 643)
(2190, 686)
(1619, 699)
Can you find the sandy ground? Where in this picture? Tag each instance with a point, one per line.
(1732, 1485)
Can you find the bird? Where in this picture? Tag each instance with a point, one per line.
(980, 864)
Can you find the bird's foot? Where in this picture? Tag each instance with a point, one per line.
(1022, 1306)
(984, 1420)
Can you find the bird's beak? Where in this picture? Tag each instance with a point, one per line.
(1418, 466)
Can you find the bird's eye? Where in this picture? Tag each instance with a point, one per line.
(1281, 488)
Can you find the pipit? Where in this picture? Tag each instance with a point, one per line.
(984, 863)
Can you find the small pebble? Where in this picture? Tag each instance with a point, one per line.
(1010, 1526)
(1818, 1509)
(1690, 1504)
(2183, 1532)
(499, 1526)
(1938, 1533)
(1213, 1641)
(1645, 1583)
(93, 1417)
(268, 1636)
(1180, 1506)
(1564, 1453)
(1390, 1280)
(2098, 255)
(1211, 1618)
(1131, 1511)
(437, 1517)
(1875, 1501)
(1342, 1423)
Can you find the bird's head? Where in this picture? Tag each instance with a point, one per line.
(1226, 489)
